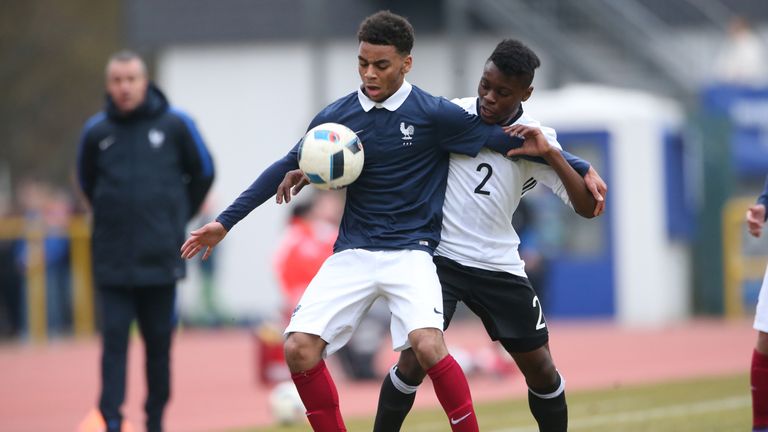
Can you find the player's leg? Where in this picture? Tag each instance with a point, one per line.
(117, 312)
(322, 322)
(759, 384)
(759, 369)
(414, 294)
(155, 310)
(512, 315)
(398, 389)
(304, 356)
(546, 387)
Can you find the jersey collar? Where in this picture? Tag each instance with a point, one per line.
(392, 103)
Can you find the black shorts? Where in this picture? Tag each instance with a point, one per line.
(506, 303)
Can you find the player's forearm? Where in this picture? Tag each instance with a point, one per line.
(261, 190)
(500, 142)
(583, 201)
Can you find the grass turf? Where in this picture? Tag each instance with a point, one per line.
(712, 404)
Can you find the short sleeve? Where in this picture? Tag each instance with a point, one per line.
(459, 131)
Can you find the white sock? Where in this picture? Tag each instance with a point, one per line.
(399, 384)
(552, 395)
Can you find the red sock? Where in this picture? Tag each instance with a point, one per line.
(318, 392)
(759, 381)
(452, 391)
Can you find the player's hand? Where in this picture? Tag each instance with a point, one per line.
(599, 189)
(293, 179)
(535, 143)
(756, 219)
(207, 236)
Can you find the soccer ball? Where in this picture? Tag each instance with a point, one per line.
(331, 156)
(285, 404)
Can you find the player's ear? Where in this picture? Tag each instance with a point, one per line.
(407, 63)
(527, 93)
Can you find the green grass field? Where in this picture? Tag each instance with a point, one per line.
(720, 404)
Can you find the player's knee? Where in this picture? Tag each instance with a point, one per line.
(428, 346)
(302, 351)
(542, 376)
(762, 342)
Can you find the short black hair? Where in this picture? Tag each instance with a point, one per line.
(514, 58)
(127, 55)
(387, 28)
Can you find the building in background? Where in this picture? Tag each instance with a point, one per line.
(254, 72)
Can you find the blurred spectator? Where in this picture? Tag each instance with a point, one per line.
(743, 59)
(308, 241)
(48, 210)
(10, 286)
(145, 170)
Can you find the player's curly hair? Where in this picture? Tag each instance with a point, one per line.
(513, 58)
(386, 28)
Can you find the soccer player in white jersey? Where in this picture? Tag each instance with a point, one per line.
(389, 229)
(759, 370)
(477, 259)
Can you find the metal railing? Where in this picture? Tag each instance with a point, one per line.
(34, 233)
(738, 266)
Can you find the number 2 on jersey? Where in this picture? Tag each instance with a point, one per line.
(479, 189)
(540, 324)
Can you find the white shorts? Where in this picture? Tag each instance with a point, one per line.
(761, 312)
(350, 281)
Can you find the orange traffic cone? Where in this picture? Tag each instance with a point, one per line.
(94, 422)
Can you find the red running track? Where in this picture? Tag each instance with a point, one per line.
(52, 387)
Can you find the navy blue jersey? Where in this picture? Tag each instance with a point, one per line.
(396, 203)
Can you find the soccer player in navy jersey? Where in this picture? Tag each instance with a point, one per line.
(389, 229)
(477, 259)
(755, 217)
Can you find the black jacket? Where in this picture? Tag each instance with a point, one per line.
(146, 174)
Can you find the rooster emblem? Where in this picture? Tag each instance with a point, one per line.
(406, 131)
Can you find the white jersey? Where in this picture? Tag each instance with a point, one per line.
(482, 194)
(761, 313)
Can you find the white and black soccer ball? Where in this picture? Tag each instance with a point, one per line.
(285, 404)
(331, 156)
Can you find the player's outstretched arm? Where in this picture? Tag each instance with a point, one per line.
(536, 144)
(293, 182)
(207, 236)
(756, 219)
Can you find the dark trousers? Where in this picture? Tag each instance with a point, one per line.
(153, 307)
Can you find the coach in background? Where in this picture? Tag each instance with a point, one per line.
(145, 171)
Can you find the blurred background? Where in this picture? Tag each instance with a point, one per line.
(668, 100)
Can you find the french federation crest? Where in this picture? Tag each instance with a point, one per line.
(407, 131)
(156, 138)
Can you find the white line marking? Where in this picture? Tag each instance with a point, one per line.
(682, 410)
